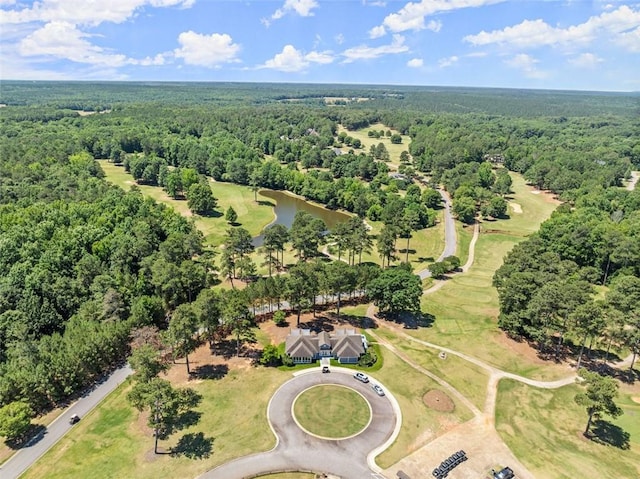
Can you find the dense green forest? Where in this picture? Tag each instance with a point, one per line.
(84, 262)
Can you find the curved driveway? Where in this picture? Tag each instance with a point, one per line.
(298, 451)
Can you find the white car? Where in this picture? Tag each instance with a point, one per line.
(361, 377)
(379, 391)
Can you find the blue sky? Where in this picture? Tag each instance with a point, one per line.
(550, 44)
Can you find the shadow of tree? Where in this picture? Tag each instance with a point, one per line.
(212, 214)
(187, 419)
(210, 371)
(34, 434)
(414, 321)
(604, 432)
(193, 446)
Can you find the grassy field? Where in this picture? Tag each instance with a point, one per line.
(251, 215)
(331, 411)
(466, 308)
(420, 424)
(393, 149)
(113, 441)
(544, 429)
(467, 378)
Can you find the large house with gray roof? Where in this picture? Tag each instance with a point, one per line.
(345, 345)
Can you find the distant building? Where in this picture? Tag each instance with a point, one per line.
(345, 345)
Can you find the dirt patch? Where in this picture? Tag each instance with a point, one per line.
(636, 399)
(438, 401)
(521, 349)
(204, 364)
(323, 321)
(516, 207)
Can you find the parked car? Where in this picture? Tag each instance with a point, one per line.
(506, 473)
(74, 419)
(379, 391)
(361, 377)
(325, 369)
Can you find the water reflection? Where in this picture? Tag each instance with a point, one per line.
(286, 207)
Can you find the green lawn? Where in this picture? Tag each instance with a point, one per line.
(393, 149)
(332, 411)
(466, 308)
(251, 215)
(469, 379)
(420, 424)
(544, 428)
(112, 441)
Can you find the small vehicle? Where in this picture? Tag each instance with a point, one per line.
(74, 419)
(325, 369)
(506, 473)
(379, 391)
(361, 377)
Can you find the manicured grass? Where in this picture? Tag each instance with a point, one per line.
(466, 308)
(251, 215)
(113, 441)
(420, 424)
(467, 378)
(464, 234)
(544, 429)
(332, 411)
(393, 149)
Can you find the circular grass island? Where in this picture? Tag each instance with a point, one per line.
(332, 412)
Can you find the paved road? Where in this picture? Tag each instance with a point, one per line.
(450, 236)
(25, 457)
(298, 451)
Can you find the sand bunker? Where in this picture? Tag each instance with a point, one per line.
(516, 207)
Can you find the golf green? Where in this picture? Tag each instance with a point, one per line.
(332, 411)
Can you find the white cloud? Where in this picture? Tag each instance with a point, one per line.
(364, 52)
(586, 60)
(614, 25)
(415, 63)
(304, 8)
(412, 15)
(292, 60)
(377, 32)
(206, 50)
(64, 40)
(447, 62)
(434, 25)
(319, 57)
(339, 38)
(374, 3)
(526, 64)
(629, 40)
(83, 12)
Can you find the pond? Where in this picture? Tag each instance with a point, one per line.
(288, 205)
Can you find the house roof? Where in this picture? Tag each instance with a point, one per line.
(324, 339)
(348, 347)
(345, 342)
(301, 346)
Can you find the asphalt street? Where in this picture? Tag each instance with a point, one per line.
(26, 456)
(298, 451)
